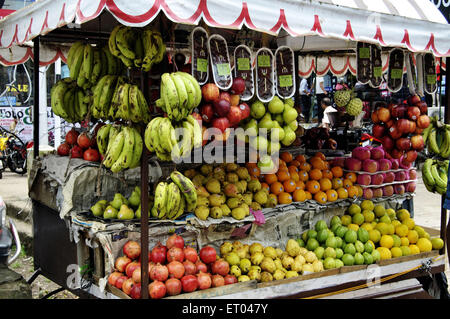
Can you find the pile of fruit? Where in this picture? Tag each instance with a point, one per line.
(437, 138)
(79, 145)
(173, 198)
(173, 268)
(227, 190)
(264, 264)
(120, 207)
(366, 234)
(120, 145)
(434, 175)
(400, 127)
(69, 101)
(378, 175)
(345, 99)
(299, 179)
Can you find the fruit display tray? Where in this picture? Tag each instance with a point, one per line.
(387, 184)
(378, 172)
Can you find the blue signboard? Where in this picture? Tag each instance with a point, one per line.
(7, 101)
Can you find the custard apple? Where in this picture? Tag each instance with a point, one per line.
(354, 107)
(342, 97)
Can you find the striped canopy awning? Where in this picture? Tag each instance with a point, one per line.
(416, 25)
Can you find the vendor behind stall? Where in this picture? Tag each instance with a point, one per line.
(327, 108)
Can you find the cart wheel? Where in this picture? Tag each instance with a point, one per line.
(436, 285)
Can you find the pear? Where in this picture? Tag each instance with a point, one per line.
(98, 208)
(241, 186)
(231, 167)
(226, 211)
(138, 211)
(243, 173)
(201, 191)
(216, 200)
(268, 265)
(248, 198)
(233, 202)
(216, 212)
(254, 185)
(232, 177)
(225, 248)
(202, 212)
(213, 186)
(206, 169)
(198, 180)
(255, 206)
(135, 198)
(125, 212)
(254, 274)
(261, 197)
(278, 274)
(190, 173)
(117, 201)
(201, 200)
(256, 248)
(266, 276)
(110, 212)
(231, 190)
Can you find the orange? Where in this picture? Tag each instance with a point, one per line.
(286, 156)
(305, 166)
(289, 186)
(292, 168)
(250, 165)
(270, 178)
(299, 185)
(360, 191)
(342, 193)
(332, 195)
(276, 188)
(294, 176)
(320, 155)
(254, 171)
(327, 165)
(284, 198)
(300, 158)
(337, 171)
(283, 175)
(315, 174)
(308, 195)
(299, 195)
(266, 186)
(337, 182)
(325, 184)
(351, 176)
(317, 162)
(282, 163)
(326, 173)
(312, 186)
(303, 175)
(347, 183)
(295, 163)
(352, 191)
(274, 198)
(321, 197)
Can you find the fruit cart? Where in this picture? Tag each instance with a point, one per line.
(79, 250)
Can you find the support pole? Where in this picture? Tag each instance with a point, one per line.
(36, 97)
(445, 231)
(56, 118)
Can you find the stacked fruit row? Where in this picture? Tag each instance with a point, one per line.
(366, 234)
(121, 146)
(69, 101)
(171, 141)
(175, 197)
(79, 145)
(435, 175)
(137, 47)
(173, 268)
(120, 207)
(437, 138)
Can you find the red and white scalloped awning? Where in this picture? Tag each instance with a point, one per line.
(413, 24)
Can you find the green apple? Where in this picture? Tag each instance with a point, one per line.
(290, 114)
(257, 110)
(276, 105)
(289, 136)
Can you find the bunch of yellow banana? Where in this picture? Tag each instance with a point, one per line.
(180, 94)
(437, 138)
(172, 142)
(114, 98)
(174, 197)
(121, 146)
(434, 175)
(136, 47)
(87, 64)
(69, 101)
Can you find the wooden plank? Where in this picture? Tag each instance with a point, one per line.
(217, 291)
(396, 260)
(329, 272)
(116, 291)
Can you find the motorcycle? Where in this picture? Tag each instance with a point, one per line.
(14, 152)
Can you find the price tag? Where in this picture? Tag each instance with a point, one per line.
(223, 69)
(396, 73)
(264, 61)
(431, 79)
(364, 53)
(202, 65)
(377, 71)
(243, 64)
(285, 80)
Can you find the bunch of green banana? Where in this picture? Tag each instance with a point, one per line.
(437, 138)
(87, 64)
(136, 47)
(180, 94)
(171, 142)
(173, 198)
(69, 101)
(121, 147)
(434, 175)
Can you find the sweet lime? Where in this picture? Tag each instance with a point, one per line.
(391, 213)
(359, 259)
(409, 222)
(321, 224)
(382, 228)
(305, 236)
(350, 236)
(319, 251)
(402, 230)
(312, 244)
(329, 252)
(437, 243)
(368, 258)
(396, 252)
(414, 249)
(358, 219)
(312, 233)
(369, 216)
(396, 223)
(367, 205)
(404, 241)
(346, 220)
(354, 209)
(387, 241)
(300, 242)
(420, 231)
(413, 236)
(367, 226)
(374, 235)
(405, 250)
(385, 219)
(329, 263)
(424, 244)
(335, 220)
(348, 260)
(402, 214)
(385, 253)
(354, 227)
(379, 210)
(397, 241)
(341, 231)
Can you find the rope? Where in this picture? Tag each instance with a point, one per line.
(369, 284)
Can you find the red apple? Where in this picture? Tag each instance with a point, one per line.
(414, 99)
(403, 126)
(378, 192)
(399, 111)
(400, 176)
(412, 127)
(396, 153)
(423, 121)
(395, 163)
(390, 123)
(413, 113)
(377, 179)
(388, 190)
(388, 143)
(423, 107)
(198, 117)
(225, 96)
(417, 142)
(234, 115)
(221, 123)
(395, 132)
(384, 164)
(378, 130)
(389, 177)
(221, 107)
(410, 187)
(207, 113)
(367, 193)
(419, 131)
(383, 114)
(403, 144)
(364, 179)
(411, 156)
(245, 110)
(399, 189)
(210, 92)
(370, 165)
(413, 174)
(238, 86)
(375, 118)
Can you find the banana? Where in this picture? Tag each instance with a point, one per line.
(188, 137)
(182, 206)
(126, 155)
(139, 50)
(82, 106)
(104, 63)
(115, 150)
(432, 142)
(440, 190)
(147, 133)
(187, 188)
(57, 98)
(96, 66)
(71, 53)
(442, 183)
(190, 94)
(137, 150)
(112, 41)
(77, 61)
(107, 94)
(182, 96)
(197, 136)
(150, 50)
(445, 150)
(197, 88)
(170, 93)
(113, 132)
(426, 133)
(173, 200)
(102, 138)
(143, 106)
(116, 101)
(134, 107)
(97, 93)
(68, 103)
(427, 177)
(88, 61)
(164, 130)
(111, 62)
(124, 108)
(160, 199)
(158, 57)
(81, 78)
(125, 38)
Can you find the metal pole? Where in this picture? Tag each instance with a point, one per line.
(445, 231)
(144, 204)
(36, 97)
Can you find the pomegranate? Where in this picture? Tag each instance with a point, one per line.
(204, 280)
(112, 278)
(136, 276)
(91, 155)
(208, 254)
(72, 136)
(121, 263)
(157, 290)
(159, 253)
(175, 241)
(175, 253)
(201, 267)
(132, 249)
(119, 282)
(173, 286)
(84, 141)
(220, 267)
(127, 285)
(76, 152)
(230, 279)
(132, 267)
(189, 283)
(135, 291)
(63, 149)
(190, 254)
(189, 267)
(176, 269)
(218, 280)
(159, 272)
